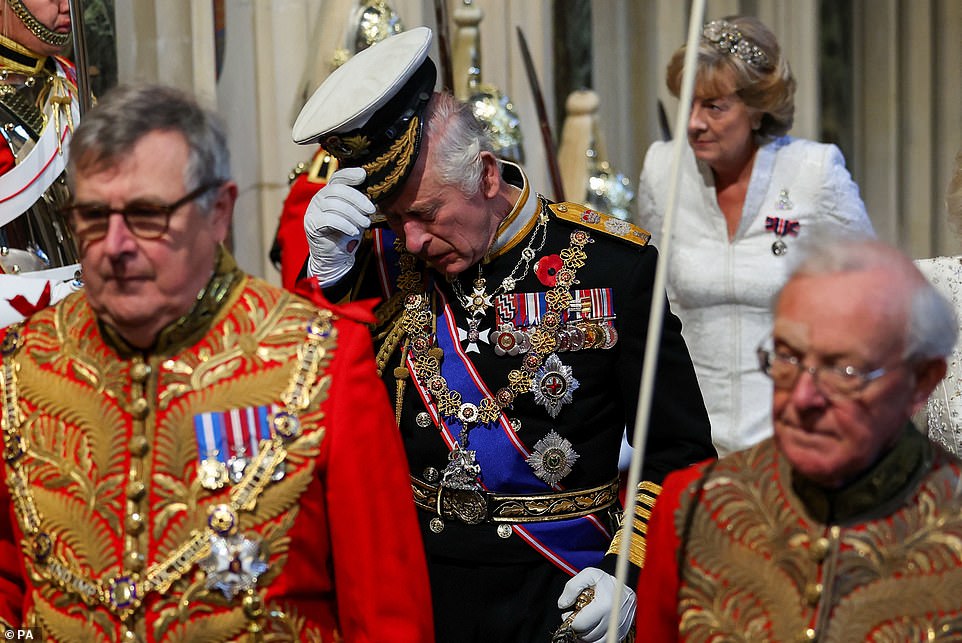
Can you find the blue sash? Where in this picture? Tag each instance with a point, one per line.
(571, 544)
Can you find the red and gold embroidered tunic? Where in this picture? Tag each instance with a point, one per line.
(769, 558)
(243, 480)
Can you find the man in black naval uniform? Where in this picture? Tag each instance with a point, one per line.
(511, 338)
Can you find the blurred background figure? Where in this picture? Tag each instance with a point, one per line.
(490, 105)
(944, 409)
(585, 170)
(38, 111)
(749, 196)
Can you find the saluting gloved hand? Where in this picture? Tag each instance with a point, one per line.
(335, 219)
(591, 623)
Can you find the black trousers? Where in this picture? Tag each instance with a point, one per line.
(495, 603)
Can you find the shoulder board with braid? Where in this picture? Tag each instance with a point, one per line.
(594, 220)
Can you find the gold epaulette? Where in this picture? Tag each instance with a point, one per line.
(594, 220)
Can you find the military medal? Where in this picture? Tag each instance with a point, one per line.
(550, 381)
(236, 466)
(212, 473)
(782, 227)
(552, 458)
(473, 335)
(233, 564)
(553, 385)
(227, 441)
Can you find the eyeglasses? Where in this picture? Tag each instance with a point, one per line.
(831, 381)
(144, 220)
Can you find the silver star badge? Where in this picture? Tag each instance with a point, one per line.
(552, 458)
(233, 564)
(553, 385)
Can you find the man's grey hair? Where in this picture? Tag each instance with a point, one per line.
(932, 324)
(457, 138)
(108, 133)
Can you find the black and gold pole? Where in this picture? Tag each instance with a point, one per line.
(550, 153)
(80, 55)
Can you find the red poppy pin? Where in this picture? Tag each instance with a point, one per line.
(546, 269)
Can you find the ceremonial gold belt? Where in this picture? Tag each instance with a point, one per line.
(479, 506)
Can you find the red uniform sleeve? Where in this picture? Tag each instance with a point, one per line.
(291, 239)
(657, 613)
(11, 562)
(7, 160)
(380, 572)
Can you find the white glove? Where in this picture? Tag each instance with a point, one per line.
(335, 219)
(591, 623)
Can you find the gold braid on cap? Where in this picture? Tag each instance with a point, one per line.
(37, 28)
(401, 153)
(728, 39)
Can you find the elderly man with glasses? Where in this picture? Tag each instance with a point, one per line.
(190, 453)
(846, 525)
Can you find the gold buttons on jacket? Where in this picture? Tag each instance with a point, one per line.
(819, 549)
(136, 490)
(807, 635)
(134, 560)
(138, 408)
(813, 593)
(138, 446)
(139, 372)
(135, 523)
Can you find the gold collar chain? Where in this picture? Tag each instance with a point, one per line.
(124, 594)
(418, 321)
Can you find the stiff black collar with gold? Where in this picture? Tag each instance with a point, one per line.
(17, 59)
(210, 300)
(523, 216)
(886, 482)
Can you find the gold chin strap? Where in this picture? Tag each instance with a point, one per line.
(37, 28)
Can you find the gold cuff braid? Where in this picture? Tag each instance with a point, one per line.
(647, 494)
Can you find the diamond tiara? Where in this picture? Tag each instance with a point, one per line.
(726, 38)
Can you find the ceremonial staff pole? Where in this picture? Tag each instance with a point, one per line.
(551, 156)
(80, 55)
(444, 46)
(656, 312)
